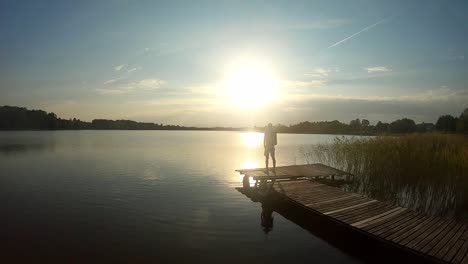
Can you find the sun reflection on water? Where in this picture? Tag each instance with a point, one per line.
(248, 164)
(252, 139)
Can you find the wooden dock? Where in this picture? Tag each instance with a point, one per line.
(438, 239)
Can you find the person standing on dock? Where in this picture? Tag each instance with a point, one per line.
(269, 142)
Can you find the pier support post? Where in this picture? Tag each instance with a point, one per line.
(246, 182)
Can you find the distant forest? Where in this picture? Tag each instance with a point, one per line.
(20, 118)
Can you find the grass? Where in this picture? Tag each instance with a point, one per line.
(426, 172)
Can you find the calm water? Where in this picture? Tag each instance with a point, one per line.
(145, 193)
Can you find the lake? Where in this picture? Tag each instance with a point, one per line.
(146, 194)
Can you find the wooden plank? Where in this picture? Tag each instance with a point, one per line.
(376, 211)
(423, 235)
(310, 191)
(299, 185)
(313, 170)
(310, 197)
(341, 204)
(326, 202)
(367, 220)
(378, 224)
(405, 238)
(304, 185)
(453, 251)
(410, 241)
(353, 212)
(350, 207)
(310, 201)
(443, 242)
(317, 193)
(465, 260)
(283, 187)
(432, 234)
(381, 225)
(399, 226)
(410, 225)
(274, 176)
(462, 252)
(337, 201)
(395, 224)
(380, 218)
(435, 245)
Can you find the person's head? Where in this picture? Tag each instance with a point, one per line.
(270, 125)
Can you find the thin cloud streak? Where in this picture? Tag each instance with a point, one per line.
(378, 69)
(357, 33)
(119, 67)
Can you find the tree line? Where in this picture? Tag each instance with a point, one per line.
(445, 123)
(20, 118)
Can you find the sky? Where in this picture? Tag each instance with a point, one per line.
(197, 63)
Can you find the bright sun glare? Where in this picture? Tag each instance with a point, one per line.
(252, 139)
(250, 84)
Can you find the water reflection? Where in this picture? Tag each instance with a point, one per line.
(252, 139)
(14, 148)
(266, 218)
(248, 164)
(170, 192)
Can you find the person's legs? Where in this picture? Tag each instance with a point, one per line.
(274, 159)
(266, 159)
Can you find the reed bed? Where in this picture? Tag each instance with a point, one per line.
(426, 172)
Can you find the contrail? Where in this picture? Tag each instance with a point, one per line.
(357, 33)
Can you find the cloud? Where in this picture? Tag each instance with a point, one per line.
(119, 67)
(288, 83)
(320, 72)
(122, 86)
(132, 69)
(377, 69)
(113, 91)
(149, 84)
(110, 81)
(357, 33)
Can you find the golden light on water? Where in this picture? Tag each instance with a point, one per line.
(252, 139)
(250, 84)
(248, 164)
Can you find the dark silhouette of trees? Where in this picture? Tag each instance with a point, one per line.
(462, 123)
(365, 123)
(323, 127)
(404, 125)
(425, 127)
(20, 118)
(446, 123)
(382, 127)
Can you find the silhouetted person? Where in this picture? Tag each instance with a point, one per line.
(266, 219)
(269, 142)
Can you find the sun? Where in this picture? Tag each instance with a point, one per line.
(250, 84)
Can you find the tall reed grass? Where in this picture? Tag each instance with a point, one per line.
(426, 172)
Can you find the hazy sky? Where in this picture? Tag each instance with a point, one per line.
(167, 62)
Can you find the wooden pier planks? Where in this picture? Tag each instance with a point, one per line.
(442, 239)
(406, 228)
